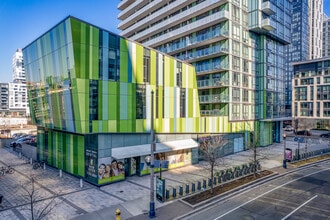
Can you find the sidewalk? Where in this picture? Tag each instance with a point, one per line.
(131, 196)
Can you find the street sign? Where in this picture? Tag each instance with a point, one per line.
(296, 139)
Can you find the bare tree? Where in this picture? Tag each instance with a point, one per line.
(253, 145)
(211, 147)
(32, 194)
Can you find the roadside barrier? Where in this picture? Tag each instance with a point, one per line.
(205, 184)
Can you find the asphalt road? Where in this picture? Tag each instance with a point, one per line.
(304, 194)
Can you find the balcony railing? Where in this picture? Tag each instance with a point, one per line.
(193, 27)
(214, 112)
(161, 13)
(268, 8)
(268, 24)
(213, 98)
(212, 83)
(206, 38)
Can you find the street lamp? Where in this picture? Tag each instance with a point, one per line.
(284, 158)
(152, 213)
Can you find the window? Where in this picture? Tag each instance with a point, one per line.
(179, 74)
(140, 101)
(236, 95)
(183, 103)
(146, 66)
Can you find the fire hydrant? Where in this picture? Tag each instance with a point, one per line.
(117, 214)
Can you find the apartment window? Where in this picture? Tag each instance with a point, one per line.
(182, 103)
(245, 80)
(236, 48)
(179, 74)
(236, 79)
(235, 13)
(140, 101)
(245, 95)
(245, 66)
(236, 95)
(146, 65)
(236, 32)
(235, 111)
(236, 63)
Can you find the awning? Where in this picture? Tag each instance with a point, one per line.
(145, 149)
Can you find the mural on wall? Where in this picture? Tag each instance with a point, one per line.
(110, 170)
(167, 161)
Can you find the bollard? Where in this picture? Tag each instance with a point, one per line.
(30, 160)
(174, 192)
(193, 187)
(118, 214)
(60, 173)
(81, 183)
(209, 182)
(204, 184)
(187, 188)
(167, 194)
(181, 190)
(219, 179)
(199, 185)
(19, 155)
(214, 181)
(44, 166)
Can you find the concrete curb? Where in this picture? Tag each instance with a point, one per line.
(239, 189)
(228, 192)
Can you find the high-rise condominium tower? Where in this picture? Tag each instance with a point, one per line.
(236, 46)
(315, 27)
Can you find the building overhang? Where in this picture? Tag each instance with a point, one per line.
(145, 149)
(277, 119)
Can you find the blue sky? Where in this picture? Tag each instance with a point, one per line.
(22, 21)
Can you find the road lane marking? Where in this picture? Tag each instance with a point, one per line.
(230, 211)
(299, 207)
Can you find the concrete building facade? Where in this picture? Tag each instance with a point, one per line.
(315, 17)
(311, 94)
(326, 37)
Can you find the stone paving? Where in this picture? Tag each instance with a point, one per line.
(131, 196)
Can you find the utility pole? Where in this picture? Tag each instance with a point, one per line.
(152, 213)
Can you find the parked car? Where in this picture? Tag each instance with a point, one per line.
(326, 135)
(23, 139)
(18, 135)
(304, 132)
(288, 128)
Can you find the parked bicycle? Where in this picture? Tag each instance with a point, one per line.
(5, 170)
(38, 164)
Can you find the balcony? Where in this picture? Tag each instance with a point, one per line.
(130, 25)
(213, 83)
(214, 112)
(206, 39)
(131, 8)
(267, 24)
(211, 68)
(124, 3)
(222, 98)
(268, 8)
(187, 29)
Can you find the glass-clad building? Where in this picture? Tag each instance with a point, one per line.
(230, 43)
(90, 96)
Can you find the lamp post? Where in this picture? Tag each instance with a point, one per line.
(284, 147)
(152, 213)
